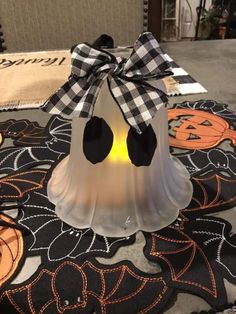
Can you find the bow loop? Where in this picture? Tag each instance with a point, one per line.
(147, 59)
(85, 59)
(128, 80)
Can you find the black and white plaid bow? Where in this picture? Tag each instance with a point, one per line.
(127, 78)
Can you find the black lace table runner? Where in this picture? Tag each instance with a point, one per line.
(196, 252)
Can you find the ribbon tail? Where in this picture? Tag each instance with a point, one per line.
(138, 101)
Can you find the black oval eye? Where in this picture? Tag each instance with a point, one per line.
(97, 140)
(141, 147)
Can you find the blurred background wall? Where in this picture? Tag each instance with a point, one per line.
(30, 25)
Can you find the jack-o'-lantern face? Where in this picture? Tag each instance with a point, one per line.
(198, 129)
(99, 143)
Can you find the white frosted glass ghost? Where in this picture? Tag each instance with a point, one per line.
(114, 197)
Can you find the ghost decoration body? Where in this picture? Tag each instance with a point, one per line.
(115, 196)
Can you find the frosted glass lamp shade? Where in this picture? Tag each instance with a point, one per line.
(114, 197)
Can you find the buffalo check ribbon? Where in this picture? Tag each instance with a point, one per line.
(128, 81)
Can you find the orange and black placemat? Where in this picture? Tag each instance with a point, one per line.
(196, 252)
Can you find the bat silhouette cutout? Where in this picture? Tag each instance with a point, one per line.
(211, 193)
(17, 185)
(189, 265)
(23, 131)
(90, 287)
(200, 162)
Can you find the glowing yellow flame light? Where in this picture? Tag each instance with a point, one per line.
(119, 152)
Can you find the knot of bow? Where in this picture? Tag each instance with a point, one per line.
(130, 81)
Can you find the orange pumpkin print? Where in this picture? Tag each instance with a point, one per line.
(11, 249)
(198, 129)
